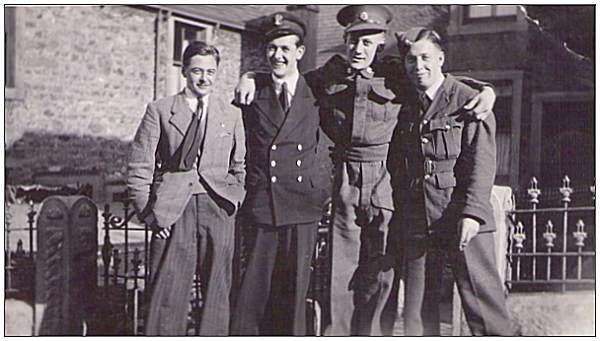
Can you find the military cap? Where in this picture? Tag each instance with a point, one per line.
(282, 24)
(364, 17)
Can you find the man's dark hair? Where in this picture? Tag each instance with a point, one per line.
(200, 48)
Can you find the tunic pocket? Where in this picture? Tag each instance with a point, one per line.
(381, 103)
(447, 133)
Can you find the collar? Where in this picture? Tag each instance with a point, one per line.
(192, 100)
(433, 90)
(291, 81)
(367, 73)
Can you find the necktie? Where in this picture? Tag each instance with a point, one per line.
(425, 102)
(283, 98)
(191, 140)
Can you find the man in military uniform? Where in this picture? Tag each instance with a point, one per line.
(446, 164)
(288, 182)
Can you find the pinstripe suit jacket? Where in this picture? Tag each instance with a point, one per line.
(158, 191)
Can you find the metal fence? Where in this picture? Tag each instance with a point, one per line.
(550, 249)
(552, 243)
(124, 271)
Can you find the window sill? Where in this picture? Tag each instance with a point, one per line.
(14, 94)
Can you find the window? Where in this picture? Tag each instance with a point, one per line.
(12, 81)
(479, 12)
(483, 19)
(182, 33)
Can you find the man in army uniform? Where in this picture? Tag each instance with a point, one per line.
(287, 185)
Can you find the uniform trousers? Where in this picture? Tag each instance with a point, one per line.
(361, 275)
(204, 234)
(272, 298)
(476, 276)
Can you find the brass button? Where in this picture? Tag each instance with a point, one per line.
(427, 176)
(273, 163)
(298, 163)
(299, 147)
(273, 179)
(424, 140)
(274, 147)
(425, 122)
(447, 126)
(299, 178)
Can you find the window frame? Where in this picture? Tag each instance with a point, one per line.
(466, 18)
(172, 78)
(14, 92)
(461, 25)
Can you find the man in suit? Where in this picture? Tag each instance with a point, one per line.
(446, 167)
(186, 180)
(288, 183)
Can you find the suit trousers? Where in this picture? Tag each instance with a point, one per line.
(361, 279)
(272, 297)
(203, 239)
(476, 276)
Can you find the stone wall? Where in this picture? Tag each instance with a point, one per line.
(88, 73)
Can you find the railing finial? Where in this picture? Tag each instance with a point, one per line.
(580, 235)
(533, 191)
(549, 235)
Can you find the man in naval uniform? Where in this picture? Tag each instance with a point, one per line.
(288, 182)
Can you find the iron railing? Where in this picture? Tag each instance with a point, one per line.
(553, 248)
(124, 271)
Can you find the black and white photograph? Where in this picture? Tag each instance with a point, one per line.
(309, 169)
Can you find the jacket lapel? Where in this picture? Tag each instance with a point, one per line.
(295, 114)
(268, 105)
(215, 115)
(181, 115)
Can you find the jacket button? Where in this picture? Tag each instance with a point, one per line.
(427, 176)
(299, 178)
(274, 147)
(299, 147)
(273, 163)
(298, 163)
(425, 122)
(447, 126)
(424, 140)
(273, 179)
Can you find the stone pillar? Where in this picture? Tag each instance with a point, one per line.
(66, 269)
(310, 15)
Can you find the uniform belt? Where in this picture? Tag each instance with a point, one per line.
(438, 166)
(370, 153)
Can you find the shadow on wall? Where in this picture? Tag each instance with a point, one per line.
(39, 152)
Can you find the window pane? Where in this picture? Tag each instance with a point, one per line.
(502, 10)
(480, 11)
(184, 35)
(9, 44)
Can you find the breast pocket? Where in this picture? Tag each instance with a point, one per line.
(382, 104)
(446, 132)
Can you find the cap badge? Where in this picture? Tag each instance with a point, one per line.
(278, 20)
(364, 16)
